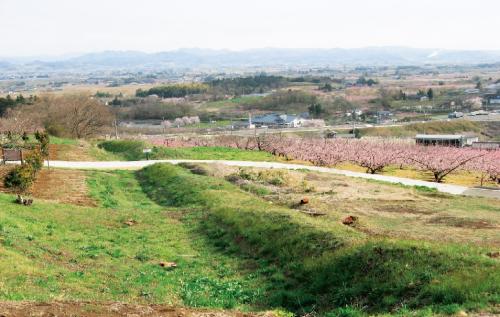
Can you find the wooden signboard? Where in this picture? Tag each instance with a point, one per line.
(12, 155)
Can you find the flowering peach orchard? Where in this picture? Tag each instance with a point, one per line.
(374, 154)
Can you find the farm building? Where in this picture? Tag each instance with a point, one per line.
(278, 120)
(455, 115)
(495, 101)
(486, 145)
(457, 140)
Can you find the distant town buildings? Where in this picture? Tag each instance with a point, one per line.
(486, 145)
(457, 140)
(455, 115)
(278, 120)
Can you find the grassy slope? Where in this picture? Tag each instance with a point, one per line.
(132, 150)
(231, 104)
(410, 130)
(324, 265)
(55, 251)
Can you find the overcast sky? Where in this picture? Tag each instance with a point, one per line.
(40, 27)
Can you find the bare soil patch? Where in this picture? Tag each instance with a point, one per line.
(70, 152)
(94, 309)
(66, 186)
(404, 208)
(463, 222)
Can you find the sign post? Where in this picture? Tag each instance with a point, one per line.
(147, 151)
(12, 155)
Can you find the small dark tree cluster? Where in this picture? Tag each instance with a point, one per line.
(368, 82)
(10, 103)
(22, 177)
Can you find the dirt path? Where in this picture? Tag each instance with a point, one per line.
(445, 188)
(48, 186)
(117, 165)
(93, 309)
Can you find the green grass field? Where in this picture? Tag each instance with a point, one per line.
(233, 250)
(132, 150)
(321, 265)
(410, 130)
(231, 104)
(63, 252)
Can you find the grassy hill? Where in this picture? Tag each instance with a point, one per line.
(54, 251)
(321, 265)
(233, 250)
(435, 127)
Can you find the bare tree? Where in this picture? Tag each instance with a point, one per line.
(77, 116)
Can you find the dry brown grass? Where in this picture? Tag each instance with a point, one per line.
(109, 309)
(387, 210)
(65, 186)
(126, 90)
(70, 152)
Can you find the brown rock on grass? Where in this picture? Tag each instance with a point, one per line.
(493, 255)
(350, 220)
(168, 264)
(130, 222)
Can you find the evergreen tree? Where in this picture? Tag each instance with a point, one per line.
(430, 94)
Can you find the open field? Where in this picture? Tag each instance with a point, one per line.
(127, 90)
(484, 130)
(127, 150)
(316, 255)
(245, 244)
(383, 209)
(132, 151)
(54, 251)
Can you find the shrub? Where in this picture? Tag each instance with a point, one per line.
(130, 149)
(194, 168)
(20, 178)
(35, 160)
(345, 312)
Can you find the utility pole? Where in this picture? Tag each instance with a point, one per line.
(116, 129)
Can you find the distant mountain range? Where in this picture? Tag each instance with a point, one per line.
(265, 57)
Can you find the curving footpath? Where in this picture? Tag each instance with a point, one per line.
(445, 188)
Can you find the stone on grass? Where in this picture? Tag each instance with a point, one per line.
(350, 220)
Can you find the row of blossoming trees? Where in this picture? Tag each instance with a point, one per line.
(374, 155)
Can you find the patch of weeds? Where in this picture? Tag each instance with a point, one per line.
(306, 187)
(92, 251)
(450, 309)
(345, 312)
(207, 292)
(462, 222)
(142, 257)
(425, 189)
(282, 313)
(245, 173)
(194, 168)
(255, 189)
(116, 253)
(273, 177)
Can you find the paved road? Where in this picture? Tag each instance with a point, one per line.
(445, 188)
